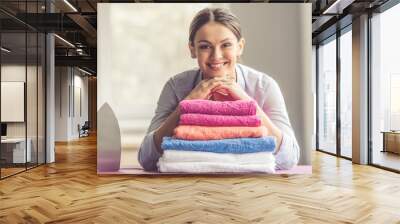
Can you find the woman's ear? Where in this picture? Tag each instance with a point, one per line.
(192, 50)
(241, 46)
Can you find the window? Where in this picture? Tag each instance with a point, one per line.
(346, 94)
(22, 67)
(385, 88)
(327, 96)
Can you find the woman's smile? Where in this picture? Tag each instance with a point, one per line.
(216, 66)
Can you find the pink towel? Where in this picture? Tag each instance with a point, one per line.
(237, 107)
(219, 120)
(193, 132)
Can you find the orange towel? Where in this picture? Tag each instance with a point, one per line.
(194, 132)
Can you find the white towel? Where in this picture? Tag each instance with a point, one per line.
(196, 156)
(208, 167)
(211, 162)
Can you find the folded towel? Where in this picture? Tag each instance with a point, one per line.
(194, 132)
(219, 120)
(236, 145)
(207, 167)
(237, 107)
(172, 156)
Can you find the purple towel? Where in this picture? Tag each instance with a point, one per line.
(236, 108)
(219, 120)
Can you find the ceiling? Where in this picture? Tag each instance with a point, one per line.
(76, 22)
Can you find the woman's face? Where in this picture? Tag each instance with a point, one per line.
(216, 49)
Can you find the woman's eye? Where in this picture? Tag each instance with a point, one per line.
(226, 45)
(203, 47)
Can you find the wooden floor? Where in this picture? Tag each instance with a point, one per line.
(70, 191)
(10, 171)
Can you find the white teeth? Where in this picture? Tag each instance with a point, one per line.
(215, 65)
(219, 65)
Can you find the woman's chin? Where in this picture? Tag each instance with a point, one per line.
(213, 74)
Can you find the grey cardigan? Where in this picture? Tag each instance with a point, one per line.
(261, 87)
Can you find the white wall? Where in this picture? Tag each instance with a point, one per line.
(69, 84)
(61, 103)
(278, 42)
(80, 102)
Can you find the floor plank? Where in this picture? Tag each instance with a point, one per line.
(70, 191)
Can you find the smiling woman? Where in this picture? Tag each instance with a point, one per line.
(215, 40)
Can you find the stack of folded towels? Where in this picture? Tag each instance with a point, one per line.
(218, 136)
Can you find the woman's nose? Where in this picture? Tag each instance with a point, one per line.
(216, 53)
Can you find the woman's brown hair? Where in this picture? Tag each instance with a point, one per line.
(218, 15)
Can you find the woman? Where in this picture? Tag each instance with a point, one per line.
(215, 40)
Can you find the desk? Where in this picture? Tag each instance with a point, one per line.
(391, 141)
(13, 150)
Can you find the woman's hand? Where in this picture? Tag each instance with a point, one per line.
(229, 89)
(203, 90)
